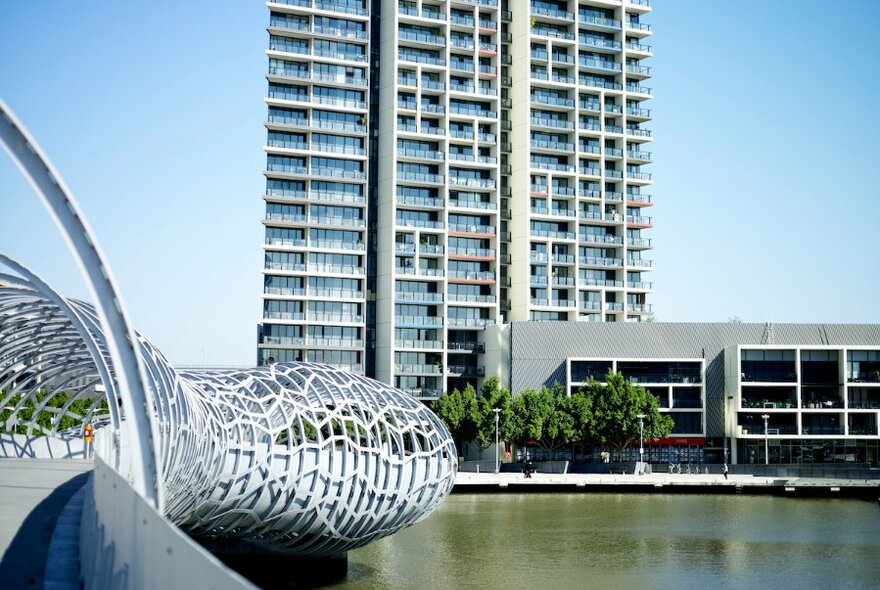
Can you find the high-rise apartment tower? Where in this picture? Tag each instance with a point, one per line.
(435, 166)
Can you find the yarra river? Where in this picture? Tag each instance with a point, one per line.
(538, 541)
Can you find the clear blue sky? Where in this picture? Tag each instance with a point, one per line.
(765, 118)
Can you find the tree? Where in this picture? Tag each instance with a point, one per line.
(460, 413)
(541, 416)
(615, 407)
(492, 396)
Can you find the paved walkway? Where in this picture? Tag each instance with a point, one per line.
(33, 492)
(653, 481)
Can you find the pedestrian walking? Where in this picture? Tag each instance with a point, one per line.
(724, 471)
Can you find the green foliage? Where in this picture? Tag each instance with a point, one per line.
(615, 407)
(492, 396)
(460, 412)
(545, 417)
(47, 419)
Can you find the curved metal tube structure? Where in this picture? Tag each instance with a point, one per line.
(300, 458)
(49, 186)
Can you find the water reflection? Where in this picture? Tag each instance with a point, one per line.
(628, 541)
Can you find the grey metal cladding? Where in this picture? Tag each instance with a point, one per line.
(538, 350)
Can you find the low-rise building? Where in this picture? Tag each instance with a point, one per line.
(743, 393)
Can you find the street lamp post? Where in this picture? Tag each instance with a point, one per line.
(766, 440)
(497, 412)
(641, 418)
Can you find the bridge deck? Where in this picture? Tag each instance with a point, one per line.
(34, 493)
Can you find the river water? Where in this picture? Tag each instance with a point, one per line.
(537, 541)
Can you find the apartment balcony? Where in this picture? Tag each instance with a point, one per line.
(337, 245)
(466, 88)
(470, 322)
(639, 220)
(472, 229)
(466, 371)
(563, 281)
(562, 58)
(563, 303)
(412, 321)
(418, 201)
(638, 113)
(640, 285)
(421, 297)
(602, 239)
(553, 146)
(587, 261)
(483, 183)
(431, 249)
(471, 298)
(471, 253)
(550, 100)
(475, 276)
(337, 269)
(613, 306)
(469, 112)
(418, 369)
(588, 194)
(554, 33)
(419, 344)
(285, 316)
(551, 123)
(638, 132)
(552, 13)
(557, 235)
(599, 43)
(613, 153)
(468, 346)
(541, 165)
(409, 153)
(639, 47)
(599, 21)
(593, 82)
(285, 291)
(538, 281)
(462, 66)
(420, 178)
(413, 57)
(638, 243)
(614, 196)
(638, 72)
(638, 176)
(639, 28)
(420, 223)
(638, 89)
(602, 65)
(639, 308)
(336, 318)
(428, 130)
(638, 200)
(472, 204)
(421, 38)
(590, 171)
(538, 257)
(335, 294)
(638, 156)
(562, 258)
(639, 263)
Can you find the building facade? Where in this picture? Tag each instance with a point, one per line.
(744, 393)
(435, 167)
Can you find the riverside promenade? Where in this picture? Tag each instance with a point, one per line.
(666, 483)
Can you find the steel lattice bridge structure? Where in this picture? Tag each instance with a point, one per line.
(295, 458)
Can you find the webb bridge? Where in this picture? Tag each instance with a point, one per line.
(282, 462)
